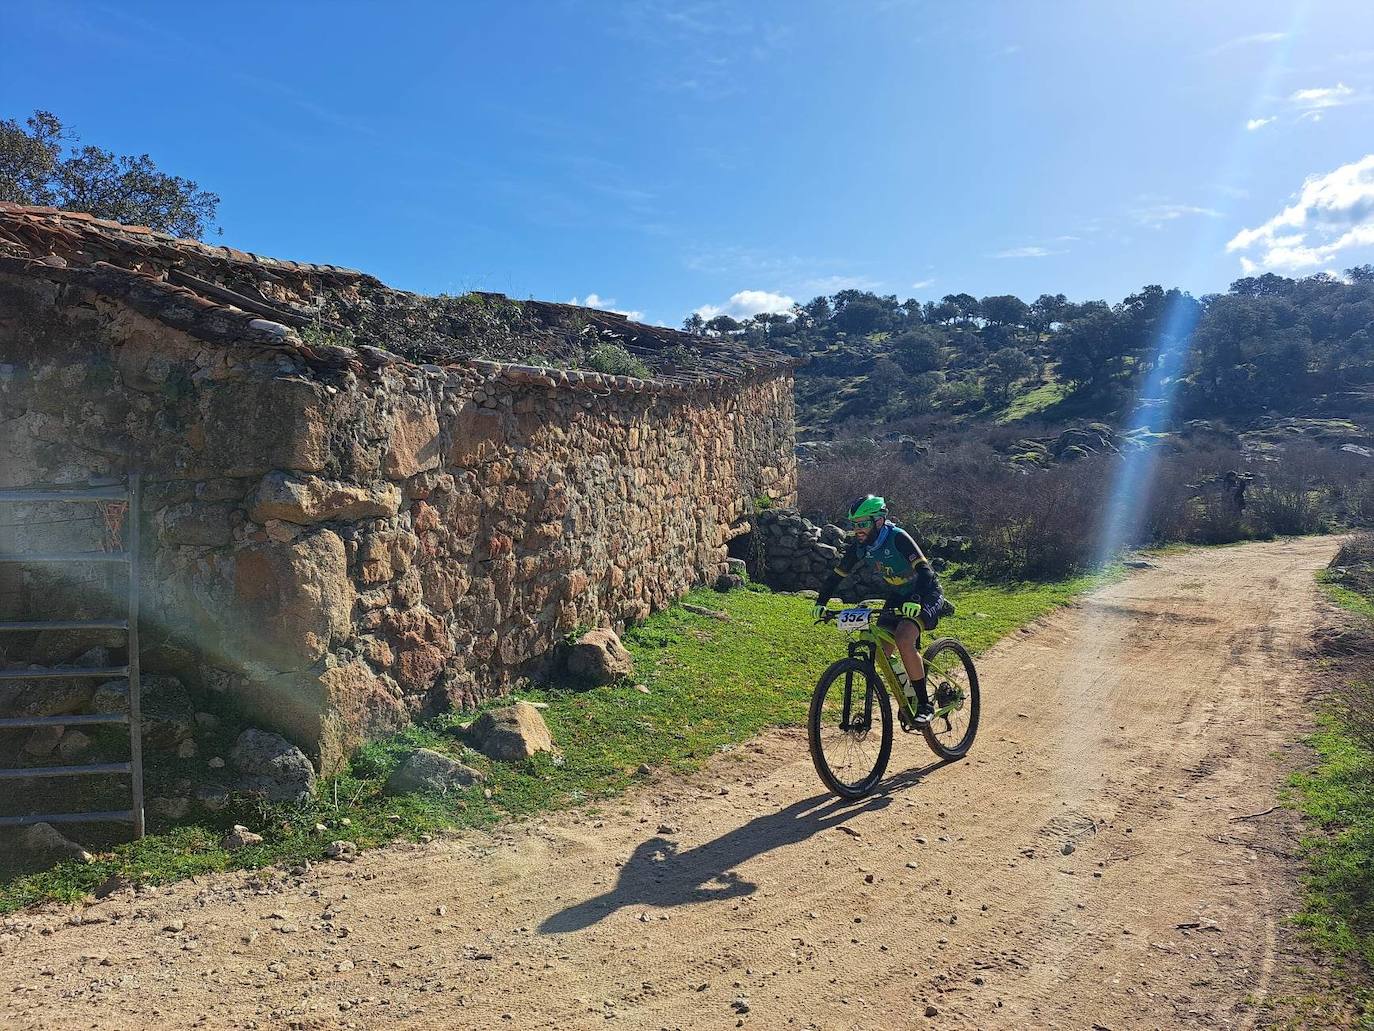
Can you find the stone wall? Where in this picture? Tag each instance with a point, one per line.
(343, 546)
(788, 552)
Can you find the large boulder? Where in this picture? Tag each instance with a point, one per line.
(511, 733)
(310, 499)
(272, 767)
(412, 433)
(599, 657)
(39, 846)
(427, 770)
(292, 598)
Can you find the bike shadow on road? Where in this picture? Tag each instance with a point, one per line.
(659, 874)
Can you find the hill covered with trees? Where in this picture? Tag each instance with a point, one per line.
(1269, 346)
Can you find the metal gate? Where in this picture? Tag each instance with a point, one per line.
(128, 556)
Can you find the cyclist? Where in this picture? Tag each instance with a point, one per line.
(914, 602)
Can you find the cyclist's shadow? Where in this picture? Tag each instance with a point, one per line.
(658, 874)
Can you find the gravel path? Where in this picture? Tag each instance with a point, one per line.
(1093, 863)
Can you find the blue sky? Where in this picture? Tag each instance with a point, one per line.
(661, 157)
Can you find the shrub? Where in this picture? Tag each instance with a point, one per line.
(1353, 566)
(1214, 522)
(614, 360)
(1289, 504)
(1023, 520)
(1359, 501)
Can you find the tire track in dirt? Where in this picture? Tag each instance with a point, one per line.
(1082, 867)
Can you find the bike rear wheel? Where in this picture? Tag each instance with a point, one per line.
(850, 728)
(953, 685)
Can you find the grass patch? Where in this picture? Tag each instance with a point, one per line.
(1337, 797)
(1033, 402)
(1333, 587)
(710, 685)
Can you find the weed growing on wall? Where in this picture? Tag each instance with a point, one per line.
(614, 360)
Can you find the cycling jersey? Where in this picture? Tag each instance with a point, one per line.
(894, 553)
(900, 562)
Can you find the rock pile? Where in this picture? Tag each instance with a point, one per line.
(794, 554)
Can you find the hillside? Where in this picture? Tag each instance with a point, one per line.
(1269, 349)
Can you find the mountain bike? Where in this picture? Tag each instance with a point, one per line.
(850, 724)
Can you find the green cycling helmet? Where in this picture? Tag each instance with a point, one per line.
(867, 508)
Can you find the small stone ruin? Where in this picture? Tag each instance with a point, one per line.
(360, 505)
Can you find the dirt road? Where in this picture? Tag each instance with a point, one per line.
(1094, 863)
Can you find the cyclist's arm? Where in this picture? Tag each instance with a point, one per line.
(848, 561)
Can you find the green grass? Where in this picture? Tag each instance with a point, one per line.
(1337, 797)
(710, 685)
(1344, 596)
(1033, 402)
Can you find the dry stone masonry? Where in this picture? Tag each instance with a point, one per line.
(338, 538)
(791, 553)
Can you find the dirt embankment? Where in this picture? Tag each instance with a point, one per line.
(1104, 858)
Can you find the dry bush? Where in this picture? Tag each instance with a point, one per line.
(1291, 500)
(1020, 524)
(1034, 522)
(1359, 501)
(1356, 551)
(1042, 524)
(1185, 502)
(1354, 564)
(1355, 699)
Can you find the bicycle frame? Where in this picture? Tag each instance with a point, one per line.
(865, 649)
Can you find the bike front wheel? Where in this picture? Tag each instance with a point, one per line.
(850, 728)
(953, 685)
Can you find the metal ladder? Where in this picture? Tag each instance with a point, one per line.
(87, 494)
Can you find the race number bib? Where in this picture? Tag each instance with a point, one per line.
(853, 619)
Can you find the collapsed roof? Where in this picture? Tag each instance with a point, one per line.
(226, 295)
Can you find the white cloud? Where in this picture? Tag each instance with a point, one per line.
(606, 304)
(1257, 123)
(1243, 41)
(1312, 102)
(746, 303)
(922, 284)
(1156, 215)
(1333, 213)
(1026, 252)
